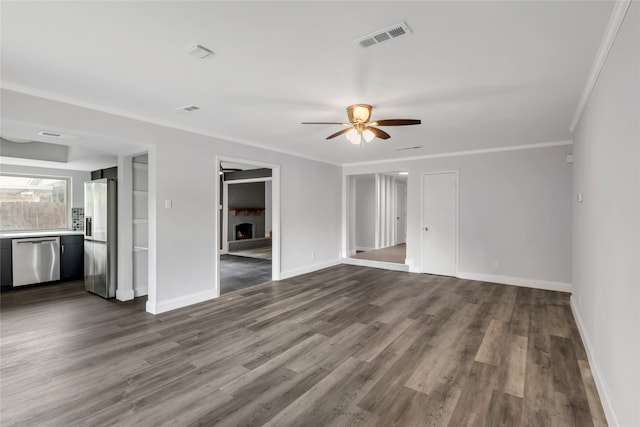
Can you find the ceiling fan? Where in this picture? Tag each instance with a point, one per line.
(359, 130)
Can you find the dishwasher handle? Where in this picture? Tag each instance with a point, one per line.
(36, 242)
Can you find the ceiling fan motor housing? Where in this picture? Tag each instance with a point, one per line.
(359, 113)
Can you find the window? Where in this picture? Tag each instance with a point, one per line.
(30, 203)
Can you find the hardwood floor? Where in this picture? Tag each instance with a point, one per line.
(347, 345)
(395, 254)
(239, 272)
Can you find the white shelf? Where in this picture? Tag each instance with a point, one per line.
(140, 221)
(140, 193)
(140, 249)
(144, 166)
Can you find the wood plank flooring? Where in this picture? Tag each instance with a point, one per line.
(395, 254)
(343, 346)
(239, 272)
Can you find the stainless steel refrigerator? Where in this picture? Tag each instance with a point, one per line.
(100, 234)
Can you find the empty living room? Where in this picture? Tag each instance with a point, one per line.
(445, 229)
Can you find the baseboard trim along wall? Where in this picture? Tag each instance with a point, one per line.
(125, 294)
(140, 292)
(605, 398)
(517, 281)
(375, 264)
(308, 269)
(172, 304)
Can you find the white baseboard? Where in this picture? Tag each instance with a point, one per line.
(517, 281)
(172, 304)
(375, 264)
(308, 269)
(413, 267)
(140, 292)
(124, 294)
(605, 398)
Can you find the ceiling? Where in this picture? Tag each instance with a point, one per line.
(478, 74)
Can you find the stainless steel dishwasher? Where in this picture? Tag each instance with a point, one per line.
(35, 260)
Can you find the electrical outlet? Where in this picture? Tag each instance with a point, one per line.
(313, 255)
(495, 264)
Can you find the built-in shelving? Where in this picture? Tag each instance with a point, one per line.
(140, 196)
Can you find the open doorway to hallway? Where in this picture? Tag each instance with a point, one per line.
(379, 217)
(246, 225)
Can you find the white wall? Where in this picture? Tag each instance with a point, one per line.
(606, 244)
(180, 166)
(515, 208)
(365, 218)
(77, 179)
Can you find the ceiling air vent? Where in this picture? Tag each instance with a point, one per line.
(415, 147)
(383, 35)
(188, 108)
(50, 134)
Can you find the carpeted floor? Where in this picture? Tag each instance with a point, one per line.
(395, 254)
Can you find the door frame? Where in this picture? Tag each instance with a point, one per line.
(225, 207)
(275, 215)
(398, 186)
(457, 213)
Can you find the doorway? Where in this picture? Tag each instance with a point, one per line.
(440, 223)
(377, 219)
(248, 224)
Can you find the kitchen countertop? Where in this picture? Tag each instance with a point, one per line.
(27, 234)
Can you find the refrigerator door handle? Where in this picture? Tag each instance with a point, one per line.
(87, 227)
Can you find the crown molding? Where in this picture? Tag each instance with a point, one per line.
(615, 22)
(50, 96)
(466, 153)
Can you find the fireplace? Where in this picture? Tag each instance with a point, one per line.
(244, 231)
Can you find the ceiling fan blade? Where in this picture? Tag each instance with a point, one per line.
(379, 133)
(396, 122)
(340, 132)
(325, 123)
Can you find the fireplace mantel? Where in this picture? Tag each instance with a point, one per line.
(247, 211)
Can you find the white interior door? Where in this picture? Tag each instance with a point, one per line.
(440, 223)
(401, 213)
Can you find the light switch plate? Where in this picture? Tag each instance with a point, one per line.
(168, 204)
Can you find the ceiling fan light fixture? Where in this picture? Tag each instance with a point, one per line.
(354, 137)
(368, 135)
(359, 113)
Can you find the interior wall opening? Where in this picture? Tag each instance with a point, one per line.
(246, 225)
(378, 217)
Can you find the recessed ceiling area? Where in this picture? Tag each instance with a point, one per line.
(479, 75)
(26, 144)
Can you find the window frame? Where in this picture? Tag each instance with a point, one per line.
(69, 199)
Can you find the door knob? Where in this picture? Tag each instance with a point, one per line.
(426, 228)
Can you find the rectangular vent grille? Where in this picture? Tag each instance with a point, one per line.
(188, 108)
(415, 147)
(45, 133)
(383, 35)
(50, 134)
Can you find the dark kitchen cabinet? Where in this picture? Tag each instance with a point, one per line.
(6, 280)
(71, 257)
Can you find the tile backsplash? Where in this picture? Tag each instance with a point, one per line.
(77, 219)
